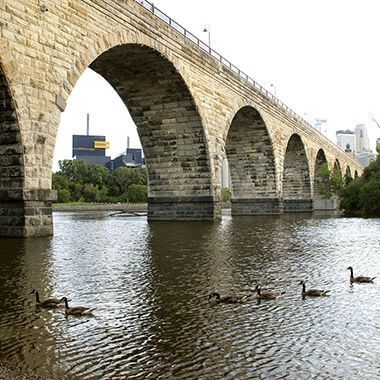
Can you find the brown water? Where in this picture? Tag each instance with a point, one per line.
(149, 283)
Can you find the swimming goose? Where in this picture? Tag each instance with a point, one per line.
(359, 278)
(267, 294)
(48, 303)
(77, 310)
(312, 292)
(216, 298)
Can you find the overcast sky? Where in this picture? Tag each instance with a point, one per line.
(320, 57)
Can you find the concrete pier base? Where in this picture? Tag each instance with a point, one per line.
(298, 205)
(256, 206)
(184, 208)
(26, 213)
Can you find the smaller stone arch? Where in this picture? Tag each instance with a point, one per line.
(348, 175)
(337, 168)
(250, 155)
(320, 168)
(296, 184)
(356, 175)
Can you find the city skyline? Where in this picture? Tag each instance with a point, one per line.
(319, 73)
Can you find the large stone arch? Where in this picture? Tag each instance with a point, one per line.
(251, 159)
(170, 129)
(296, 186)
(12, 204)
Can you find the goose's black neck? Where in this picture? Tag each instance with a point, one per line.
(303, 287)
(37, 296)
(66, 303)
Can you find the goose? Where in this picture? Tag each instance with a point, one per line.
(266, 294)
(359, 278)
(216, 298)
(77, 310)
(48, 303)
(312, 292)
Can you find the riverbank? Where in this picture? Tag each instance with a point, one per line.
(125, 207)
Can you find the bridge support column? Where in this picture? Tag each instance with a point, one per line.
(298, 205)
(26, 213)
(184, 208)
(256, 206)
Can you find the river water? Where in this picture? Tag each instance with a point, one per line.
(149, 285)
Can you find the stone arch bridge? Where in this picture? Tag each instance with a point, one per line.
(190, 105)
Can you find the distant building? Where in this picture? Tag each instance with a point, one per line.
(91, 149)
(365, 158)
(321, 126)
(132, 158)
(346, 140)
(362, 140)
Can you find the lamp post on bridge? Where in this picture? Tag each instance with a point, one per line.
(206, 29)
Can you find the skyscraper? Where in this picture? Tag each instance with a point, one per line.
(362, 140)
(345, 139)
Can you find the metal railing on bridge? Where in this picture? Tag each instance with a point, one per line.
(210, 51)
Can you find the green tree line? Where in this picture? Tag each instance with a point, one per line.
(358, 197)
(78, 181)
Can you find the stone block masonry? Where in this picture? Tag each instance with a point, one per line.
(190, 110)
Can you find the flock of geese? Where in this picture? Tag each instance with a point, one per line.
(52, 303)
(215, 297)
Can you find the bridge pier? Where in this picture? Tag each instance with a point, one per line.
(26, 213)
(184, 208)
(298, 205)
(256, 206)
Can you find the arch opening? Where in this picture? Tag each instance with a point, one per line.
(321, 167)
(250, 156)
(348, 176)
(170, 131)
(296, 186)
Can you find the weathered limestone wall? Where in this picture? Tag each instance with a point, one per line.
(182, 100)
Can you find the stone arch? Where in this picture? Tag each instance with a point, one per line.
(12, 177)
(337, 168)
(11, 152)
(250, 155)
(348, 175)
(356, 175)
(296, 186)
(320, 164)
(170, 129)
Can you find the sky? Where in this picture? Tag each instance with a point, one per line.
(319, 57)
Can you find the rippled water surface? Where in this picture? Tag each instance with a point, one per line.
(149, 283)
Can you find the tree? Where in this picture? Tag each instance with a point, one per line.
(79, 181)
(137, 193)
(362, 195)
(328, 183)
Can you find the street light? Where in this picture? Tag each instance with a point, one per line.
(206, 29)
(273, 87)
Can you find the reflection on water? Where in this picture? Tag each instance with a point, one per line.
(149, 283)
